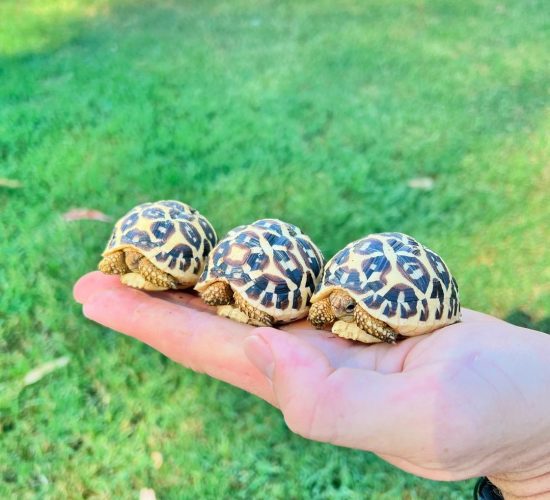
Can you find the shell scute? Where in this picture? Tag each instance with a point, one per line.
(191, 234)
(172, 235)
(141, 240)
(397, 280)
(153, 213)
(128, 221)
(208, 232)
(178, 258)
(271, 264)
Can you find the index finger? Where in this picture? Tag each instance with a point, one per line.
(91, 283)
(193, 338)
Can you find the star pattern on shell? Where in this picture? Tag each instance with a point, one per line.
(397, 280)
(271, 263)
(174, 236)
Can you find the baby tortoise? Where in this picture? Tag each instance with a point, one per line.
(383, 286)
(262, 273)
(159, 246)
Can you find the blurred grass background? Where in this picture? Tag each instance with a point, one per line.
(317, 113)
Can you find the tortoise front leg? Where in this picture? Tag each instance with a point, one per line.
(240, 311)
(374, 326)
(255, 316)
(232, 312)
(155, 276)
(136, 280)
(113, 263)
(149, 278)
(133, 259)
(351, 331)
(321, 314)
(218, 293)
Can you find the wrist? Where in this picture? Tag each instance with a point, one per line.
(520, 486)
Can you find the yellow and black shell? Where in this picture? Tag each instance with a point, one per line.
(172, 235)
(271, 264)
(397, 280)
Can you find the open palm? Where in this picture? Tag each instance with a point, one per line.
(440, 405)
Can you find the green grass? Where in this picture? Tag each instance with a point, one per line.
(315, 112)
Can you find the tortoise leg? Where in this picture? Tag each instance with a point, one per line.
(218, 293)
(155, 276)
(321, 314)
(113, 264)
(136, 280)
(349, 330)
(374, 326)
(232, 312)
(255, 316)
(132, 259)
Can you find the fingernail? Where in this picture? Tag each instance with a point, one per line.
(259, 352)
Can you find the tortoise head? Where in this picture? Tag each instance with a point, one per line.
(343, 305)
(338, 305)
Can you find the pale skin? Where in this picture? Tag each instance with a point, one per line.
(468, 400)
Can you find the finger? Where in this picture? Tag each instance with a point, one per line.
(96, 281)
(302, 324)
(345, 406)
(469, 316)
(185, 298)
(381, 357)
(280, 356)
(335, 348)
(90, 283)
(200, 341)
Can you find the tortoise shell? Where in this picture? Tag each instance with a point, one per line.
(397, 280)
(271, 264)
(172, 235)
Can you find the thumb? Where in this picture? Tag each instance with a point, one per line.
(345, 406)
(297, 371)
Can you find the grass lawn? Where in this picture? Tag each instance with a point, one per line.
(319, 113)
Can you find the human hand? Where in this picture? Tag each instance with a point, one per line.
(470, 399)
